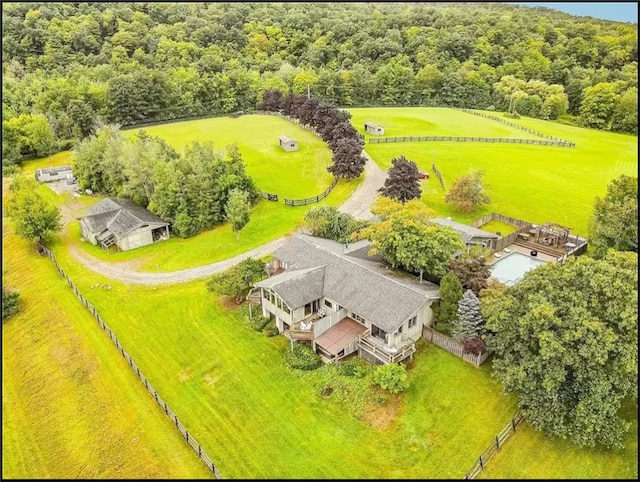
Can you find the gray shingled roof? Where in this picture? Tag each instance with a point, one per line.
(381, 296)
(285, 139)
(120, 216)
(297, 287)
(467, 233)
(54, 170)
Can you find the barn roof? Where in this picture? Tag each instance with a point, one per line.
(54, 170)
(385, 297)
(120, 216)
(371, 124)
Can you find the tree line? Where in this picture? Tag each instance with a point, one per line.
(66, 65)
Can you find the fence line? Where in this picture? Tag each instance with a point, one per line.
(494, 446)
(92, 309)
(268, 196)
(502, 140)
(454, 347)
(311, 200)
(500, 217)
(513, 124)
(438, 175)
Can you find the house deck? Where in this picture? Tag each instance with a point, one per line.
(339, 336)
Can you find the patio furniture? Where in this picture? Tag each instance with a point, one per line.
(523, 235)
(570, 245)
(497, 255)
(507, 250)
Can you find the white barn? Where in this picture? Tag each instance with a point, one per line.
(373, 128)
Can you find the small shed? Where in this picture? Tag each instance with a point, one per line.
(373, 128)
(50, 174)
(288, 144)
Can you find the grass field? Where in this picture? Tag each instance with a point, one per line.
(434, 121)
(533, 183)
(531, 454)
(71, 407)
(296, 175)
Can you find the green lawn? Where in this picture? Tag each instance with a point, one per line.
(71, 406)
(531, 454)
(258, 419)
(296, 175)
(533, 183)
(495, 226)
(432, 121)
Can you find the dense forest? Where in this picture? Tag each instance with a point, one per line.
(69, 66)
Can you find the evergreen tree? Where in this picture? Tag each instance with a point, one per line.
(402, 183)
(450, 295)
(469, 323)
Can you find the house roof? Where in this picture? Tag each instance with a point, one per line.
(467, 233)
(120, 216)
(297, 287)
(385, 297)
(284, 138)
(371, 124)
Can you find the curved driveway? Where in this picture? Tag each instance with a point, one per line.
(357, 205)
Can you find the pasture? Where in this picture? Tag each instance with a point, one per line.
(71, 407)
(529, 182)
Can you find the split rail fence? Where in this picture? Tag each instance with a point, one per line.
(438, 175)
(513, 124)
(454, 347)
(311, 200)
(92, 309)
(269, 196)
(494, 446)
(502, 140)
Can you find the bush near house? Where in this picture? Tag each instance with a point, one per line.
(301, 357)
(392, 378)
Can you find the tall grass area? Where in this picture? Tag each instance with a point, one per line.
(534, 183)
(257, 418)
(71, 406)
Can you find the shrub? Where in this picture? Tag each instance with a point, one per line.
(392, 378)
(270, 329)
(257, 323)
(10, 303)
(474, 346)
(356, 367)
(491, 107)
(302, 357)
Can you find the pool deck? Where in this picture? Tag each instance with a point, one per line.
(520, 249)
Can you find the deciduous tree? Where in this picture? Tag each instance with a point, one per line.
(467, 192)
(451, 293)
(402, 182)
(566, 344)
(237, 210)
(348, 162)
(33, 217)
(238, 280)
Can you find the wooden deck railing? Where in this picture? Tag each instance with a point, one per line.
(380, 353)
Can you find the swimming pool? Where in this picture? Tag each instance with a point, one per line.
(512, 267)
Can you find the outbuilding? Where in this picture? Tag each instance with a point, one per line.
(288, 144)
(51, 174)
(123, 223)
(373, 128)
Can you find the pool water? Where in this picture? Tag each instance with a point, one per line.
(512, 267)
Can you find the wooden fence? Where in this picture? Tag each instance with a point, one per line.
(500, 217)
(311, 200)
(502, 140)
(438, 175)
(268, 196)
(513, 124)
(494, 446)
(181, 428)
(453, 347)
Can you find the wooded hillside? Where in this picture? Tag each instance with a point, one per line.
(65, 65)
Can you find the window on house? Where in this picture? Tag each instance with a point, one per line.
(358, 318)
(413, 321)
(265, 295)
(286, 308)
(279, 303)
(307, 309)
(328, 304)
(272, 298)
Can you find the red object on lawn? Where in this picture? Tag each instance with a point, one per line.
(423, 175)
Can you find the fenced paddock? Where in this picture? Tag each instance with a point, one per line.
(490, 140)
(453, 347)
(92, 309)
(438, 175)
(497, 442)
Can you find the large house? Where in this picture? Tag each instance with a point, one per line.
(121, 222)
(50, 174)
(342, 301)
(469, 235)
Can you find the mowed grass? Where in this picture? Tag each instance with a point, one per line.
(431, 121)
(531, 454)
(256, 418)
(534, 183)
(298, 174)
(295, 175)
(71, 406)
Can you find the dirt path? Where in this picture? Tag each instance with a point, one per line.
(357, 205)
